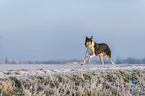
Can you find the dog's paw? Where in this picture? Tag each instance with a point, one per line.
(113, 63)
(101, 66)
(82, 63)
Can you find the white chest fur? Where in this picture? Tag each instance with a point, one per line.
(91, 49)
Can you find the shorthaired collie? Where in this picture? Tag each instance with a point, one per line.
(94, 49)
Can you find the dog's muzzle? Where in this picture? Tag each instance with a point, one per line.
(86, 45)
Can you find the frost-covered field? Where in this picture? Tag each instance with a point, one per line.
(72, 80)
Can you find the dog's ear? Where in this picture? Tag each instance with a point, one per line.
(91, 37)
(86, 37)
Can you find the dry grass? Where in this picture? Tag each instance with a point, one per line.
(106, 82)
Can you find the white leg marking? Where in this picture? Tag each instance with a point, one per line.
(101, 56)
(87, 54)
(91, 57)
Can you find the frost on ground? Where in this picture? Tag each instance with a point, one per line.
(118, 80)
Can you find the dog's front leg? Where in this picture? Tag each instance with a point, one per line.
(87, 54)
(91, 57)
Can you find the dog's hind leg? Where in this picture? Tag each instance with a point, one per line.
(101, 58)
(108, 52)
(111, 60)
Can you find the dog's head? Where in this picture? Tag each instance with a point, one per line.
(88, 41)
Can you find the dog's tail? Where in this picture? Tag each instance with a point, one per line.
(108, 51)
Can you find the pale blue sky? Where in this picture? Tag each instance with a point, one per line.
(56, 29)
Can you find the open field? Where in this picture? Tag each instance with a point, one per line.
(72, 80)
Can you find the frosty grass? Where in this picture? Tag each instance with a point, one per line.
(117, 80)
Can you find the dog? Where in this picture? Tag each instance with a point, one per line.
(94, 49)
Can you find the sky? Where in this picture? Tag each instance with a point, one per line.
(56, 29)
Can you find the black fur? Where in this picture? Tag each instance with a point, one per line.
(102, 47)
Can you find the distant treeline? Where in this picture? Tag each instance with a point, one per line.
(129, 60)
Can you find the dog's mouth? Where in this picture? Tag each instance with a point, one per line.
(86, 44)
